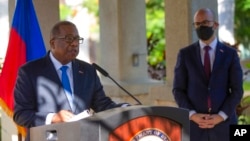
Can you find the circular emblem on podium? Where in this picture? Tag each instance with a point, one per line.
(150, 134)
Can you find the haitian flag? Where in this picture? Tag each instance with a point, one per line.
(25, 44)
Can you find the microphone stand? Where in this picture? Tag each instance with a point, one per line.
(103, 72)
(139, 103)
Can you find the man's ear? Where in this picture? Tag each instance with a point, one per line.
(52, 43)
(216, 24)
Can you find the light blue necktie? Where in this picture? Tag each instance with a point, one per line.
(65, 79)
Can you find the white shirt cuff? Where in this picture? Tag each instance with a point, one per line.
(125, 105)
(223, 115)
(49, 118)
(191, 113)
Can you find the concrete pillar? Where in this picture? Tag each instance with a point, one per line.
(122, 34)
(122, 39)
(47, 12)
(178, 23)
(226, 20)
(8, 128)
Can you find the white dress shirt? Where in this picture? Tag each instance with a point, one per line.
(69, 96)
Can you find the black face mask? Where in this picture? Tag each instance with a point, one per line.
(204, 32)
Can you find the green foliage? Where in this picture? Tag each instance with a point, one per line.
(244, 117)
(248, 66)
(93, 9)
(242, 22)
(246, 86)
(65, 11)
(155, 21)
(68, 11)
(243, 120)
(92, 6)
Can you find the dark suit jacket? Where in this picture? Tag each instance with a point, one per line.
(191, 88)
(39, 91)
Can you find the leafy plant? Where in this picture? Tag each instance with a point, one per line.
(155, 20)
(242, 22)
(246, 86)
(92, 6)
(243, 109)
(243, 115)
(65, 11)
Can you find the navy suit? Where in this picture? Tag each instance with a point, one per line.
(39, 91)
(191, 88)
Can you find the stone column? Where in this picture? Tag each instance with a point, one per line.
(122, 35)
(122, 39)
(47, 12)
(226, 20)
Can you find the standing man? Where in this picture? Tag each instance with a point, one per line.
(208, 81)
(58, 86)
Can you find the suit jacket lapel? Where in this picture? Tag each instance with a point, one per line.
(199, 60)
(50, 71)
(78, 74)
(219, 54)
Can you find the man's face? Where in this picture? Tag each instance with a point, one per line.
(204, 18)
(65, 47)
(205, 25)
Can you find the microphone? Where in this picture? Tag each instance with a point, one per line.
(103, 72)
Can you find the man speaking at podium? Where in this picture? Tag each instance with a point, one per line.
(58, 86)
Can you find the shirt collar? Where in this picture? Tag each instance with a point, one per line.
(57, 64)
(212, 44)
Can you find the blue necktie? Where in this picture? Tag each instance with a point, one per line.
(65, 79)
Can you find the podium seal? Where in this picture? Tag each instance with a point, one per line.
(150, 134)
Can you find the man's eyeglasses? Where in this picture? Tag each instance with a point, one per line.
(204, 23)
(70, 38)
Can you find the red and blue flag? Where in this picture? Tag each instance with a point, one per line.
(25, 44)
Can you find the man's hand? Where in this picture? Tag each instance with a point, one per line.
(62, 116)
(206, 120)
(200, 119)
(214, 120)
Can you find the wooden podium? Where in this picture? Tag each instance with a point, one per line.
(134, 123)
